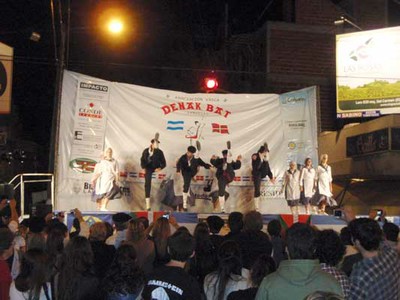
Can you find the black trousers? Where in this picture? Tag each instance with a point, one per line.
(257, 186)
(147, 182)
(221, 186)
(187, 177)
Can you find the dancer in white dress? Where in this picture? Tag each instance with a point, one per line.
(291, 187)
(106, 174)
(307, 183)
(323, 178)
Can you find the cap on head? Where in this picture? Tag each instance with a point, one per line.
(225, 152)
(154, 140)
(191, 149)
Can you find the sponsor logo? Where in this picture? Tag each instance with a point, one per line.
(175, 125)
(293, 100)
(90, 112)
(361, 51)
(94, 87)
(219, 128)
(292, 145)
(83, 165)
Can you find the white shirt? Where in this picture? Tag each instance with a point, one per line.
(324, 177)
(307, 179)
(292, 185)
(235, 283)
(17, 295)
(108, 171)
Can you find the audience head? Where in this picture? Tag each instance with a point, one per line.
(120, 221)
(366, 233)
(274, 228)
(77, 260)
(161, 232)
(78, 255)
(329, 247)
(109, 230)
(183, 229)
(201, 231)
(136, 231)
(35, 270)
(300, 240)
(391, 231)
(235, 222)
(345, 236)
(124, 276)
(37, 224)
(230, 262)
(57, 234)
(145, 221)
(253, 221)
(6, 239)
(98, 232)
(215, 223)
(181, 246)
(161, 228)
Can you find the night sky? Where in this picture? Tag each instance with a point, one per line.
(157, 31)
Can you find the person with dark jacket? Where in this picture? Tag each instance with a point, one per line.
(252, 240)
(278, 244)
(189, 165)
(260, 169)
(226, 167)
(235, 224)
(152, 160)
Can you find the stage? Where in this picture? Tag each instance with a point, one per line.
(190, 220)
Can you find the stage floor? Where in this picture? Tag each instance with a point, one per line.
(190, 219)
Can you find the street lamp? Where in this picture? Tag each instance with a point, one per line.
(115, 26)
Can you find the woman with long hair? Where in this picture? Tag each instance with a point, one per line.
(57, 235)
(205, 258)
(76, 281)
(124, 280)
(230, 276)
(263, 266)
(33, 281)
(160, 234)
(137, 237)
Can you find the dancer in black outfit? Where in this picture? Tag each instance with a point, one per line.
(152, 160)
(260, 169)
(189, 165)
(225, 173)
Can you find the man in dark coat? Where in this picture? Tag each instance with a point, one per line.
(189, 165)
(226, 167)
(152, 160)
(260, 169)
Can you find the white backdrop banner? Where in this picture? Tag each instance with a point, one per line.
(96, 114)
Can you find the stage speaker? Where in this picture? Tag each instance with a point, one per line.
(6, 191)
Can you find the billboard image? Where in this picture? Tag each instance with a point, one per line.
(368, 73)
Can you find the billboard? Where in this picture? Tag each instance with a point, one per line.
(368, 73)
(6, 64)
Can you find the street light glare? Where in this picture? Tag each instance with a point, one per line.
(115, 26)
